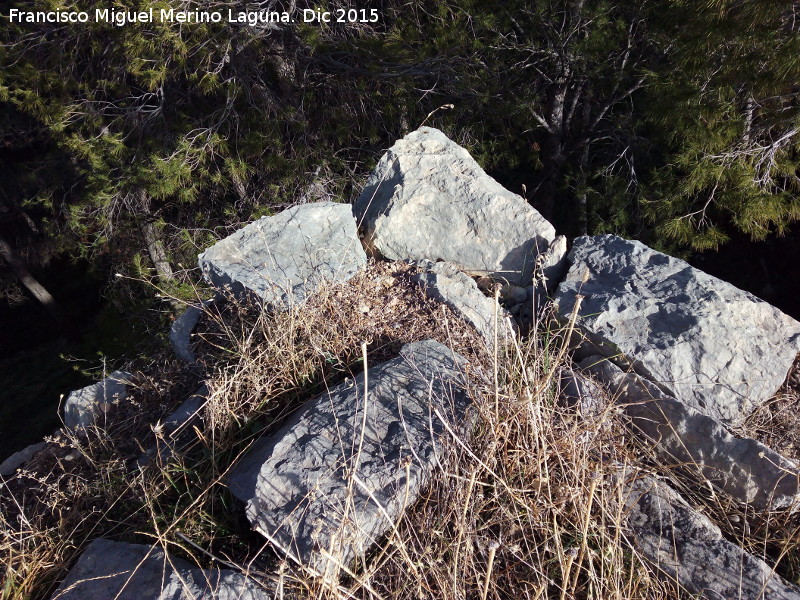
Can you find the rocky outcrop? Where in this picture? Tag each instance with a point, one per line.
(285, 258)
(336, 476)
(445, 283)
(123, 571)
(719, 350)
(429, 199)
(83, 407)
(688, 548)
(679, 436)
(329, 484)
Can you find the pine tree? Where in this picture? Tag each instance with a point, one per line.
(729, 112)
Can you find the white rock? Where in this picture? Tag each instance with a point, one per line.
(84, 406)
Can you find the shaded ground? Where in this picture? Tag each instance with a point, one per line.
(39, 362)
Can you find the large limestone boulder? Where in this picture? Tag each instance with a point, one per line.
(688, 548)
(85, 406)
(429, 199)
(720, 350)
(285, 258)
(123, 571)
(333, 480)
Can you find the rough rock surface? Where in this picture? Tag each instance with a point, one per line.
(116, 570)
(743, 468)
(444, 282)
(720, 350)
(84, 406)
(10, 465)
(688, 548)
(310, 492)
(584, 394)
(429, 199)
(285, 258)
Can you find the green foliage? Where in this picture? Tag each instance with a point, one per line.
(729, 114)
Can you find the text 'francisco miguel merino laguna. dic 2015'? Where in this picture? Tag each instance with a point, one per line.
(170, 15)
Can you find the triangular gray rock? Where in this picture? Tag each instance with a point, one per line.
(429, 199)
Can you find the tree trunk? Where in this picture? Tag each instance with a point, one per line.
(155, 248)
(154, 240)
(553, 147)
(553, 161)
(583, 195)
(36, 289)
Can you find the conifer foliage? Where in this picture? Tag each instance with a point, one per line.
(730, 112)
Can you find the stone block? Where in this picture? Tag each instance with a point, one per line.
(115, 570)
(329, 484)
(718, 349)
(285, 258)
(685, 546)
(429, 199)
(83, 407)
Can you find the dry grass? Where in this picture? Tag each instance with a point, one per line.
(260, 362)
(78, 488)
(524, 507)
